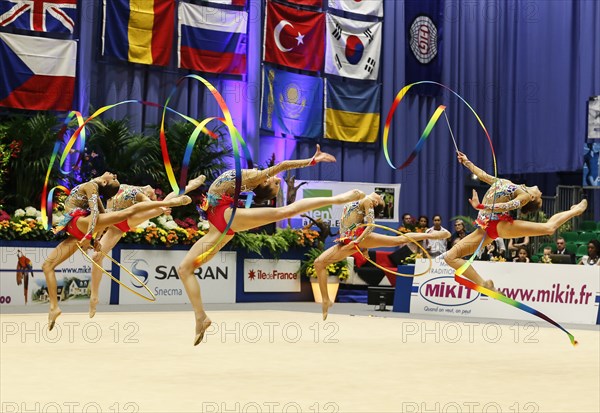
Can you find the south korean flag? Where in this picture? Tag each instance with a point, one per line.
(353, 48)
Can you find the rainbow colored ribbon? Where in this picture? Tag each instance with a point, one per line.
(48, 196)
(419, 146)
(236, 141)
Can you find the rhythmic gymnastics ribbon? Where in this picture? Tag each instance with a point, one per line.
(236, 141)
(430, 124)
(356, 246)
(47, 196)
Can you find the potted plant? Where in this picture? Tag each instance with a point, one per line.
(336, 272)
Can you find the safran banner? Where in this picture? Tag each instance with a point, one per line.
(352, 110)
(565, 293)
(212, 40)
(294, 37)
(353, 48)
(40, 72)
(424, 20)
(292, 104)
(39, 15)
(366, 8)
(139, 31)
(159, 273)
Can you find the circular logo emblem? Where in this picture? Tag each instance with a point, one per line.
(423, 39)
(354, 49)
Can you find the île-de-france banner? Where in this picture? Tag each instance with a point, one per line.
(424, 23)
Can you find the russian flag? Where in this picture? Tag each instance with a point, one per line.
(40, 72)
(139, 31)
(212, 40)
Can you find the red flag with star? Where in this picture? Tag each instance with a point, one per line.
(294, 38)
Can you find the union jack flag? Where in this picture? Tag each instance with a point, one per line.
(56, 16)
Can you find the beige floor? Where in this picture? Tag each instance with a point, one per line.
(266, 361)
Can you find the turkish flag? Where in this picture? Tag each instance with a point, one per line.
(294, 38)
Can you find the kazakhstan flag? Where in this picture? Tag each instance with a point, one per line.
(292, 104)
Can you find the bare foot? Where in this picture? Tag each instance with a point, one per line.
(326, 306)
(350, 196)
(93, 303)
(52, 316)
(179, 201)
(196, 182)
(580, 207)
(201, 325)
(489, 284)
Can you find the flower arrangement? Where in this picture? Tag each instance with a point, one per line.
(25, 224)
(164, 230)
(545, 259)
(498, 258)
(339, 269)
(412, 258)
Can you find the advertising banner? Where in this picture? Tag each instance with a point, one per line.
(565, 293)
(158, 271)
(333, 213)
(271, 276)
(22, 281)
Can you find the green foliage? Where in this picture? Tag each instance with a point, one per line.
(24, 174)
(307, 267)
(112, 146)
(276, 243)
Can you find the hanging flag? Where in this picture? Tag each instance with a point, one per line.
(41, 75)
(212, 40)
(424, 40)
(352, 110)
(56, 16)
(294, 38)
(309, 3)
(140, 31)
(353, 48)
(229, 2)
(370, 7)
(292, 104)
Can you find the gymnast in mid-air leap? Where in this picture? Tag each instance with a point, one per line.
(494, 219)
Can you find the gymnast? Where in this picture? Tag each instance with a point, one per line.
(494, 219)
(84, 215)
(127, 196)
(352, 233)
(218, 208)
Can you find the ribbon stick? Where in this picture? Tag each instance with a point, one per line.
(458, 273)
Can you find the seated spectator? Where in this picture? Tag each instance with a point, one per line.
(593, 254)
(515, 244)
(459, 232)
(522, 255)
(545, 259)
(436, 247)
(562, 249)
(492, 251)
(422, 224)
